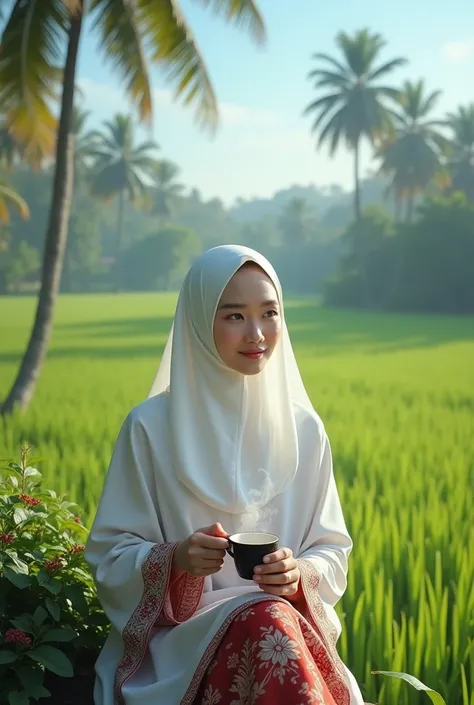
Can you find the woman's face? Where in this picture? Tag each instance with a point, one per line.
(247, 325)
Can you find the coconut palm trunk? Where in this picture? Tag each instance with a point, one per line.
(357, 201)
(359, 245)
(56, 238)
(119, 241)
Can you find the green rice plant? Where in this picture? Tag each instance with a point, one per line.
(396, 394)
(434, 696)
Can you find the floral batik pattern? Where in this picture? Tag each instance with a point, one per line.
(157, 607)
(270, 655)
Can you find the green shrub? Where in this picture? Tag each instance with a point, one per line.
(49, 612)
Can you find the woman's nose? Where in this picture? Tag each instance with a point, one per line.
(254, 333)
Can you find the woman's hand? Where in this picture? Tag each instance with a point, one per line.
(202, 553)
(280, 575)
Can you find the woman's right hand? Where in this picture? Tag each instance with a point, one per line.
(202, 553)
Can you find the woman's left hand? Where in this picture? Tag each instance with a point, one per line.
(279, 575)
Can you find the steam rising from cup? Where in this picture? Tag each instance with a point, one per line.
(257, 516)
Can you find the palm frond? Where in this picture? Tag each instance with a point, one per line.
(149, 146)
(388, 67)
(328, 78)
(121, 39)
(80, 118)
(389, 92)
(9, 197)
(360, 50)
(461, 124)
(430, 101)
(333, 131)
(330, 60)
(243, 13)
(32, 44)
(326, 102)
(174, 47)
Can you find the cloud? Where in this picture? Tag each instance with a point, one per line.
(458, 52)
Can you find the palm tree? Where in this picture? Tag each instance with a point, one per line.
(355, 103)
(412, 152)
(9, 197)
(122, 168)
(461, 158)
(132, 36)
(355, 106)
(165, 189)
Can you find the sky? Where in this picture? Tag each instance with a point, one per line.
(264, 143)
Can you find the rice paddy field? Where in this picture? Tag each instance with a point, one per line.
(397, 396)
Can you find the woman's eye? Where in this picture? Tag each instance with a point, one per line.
(234, 316)
(271, 313)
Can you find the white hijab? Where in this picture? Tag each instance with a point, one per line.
(233, 437)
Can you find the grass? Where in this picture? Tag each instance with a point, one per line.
(397, 396)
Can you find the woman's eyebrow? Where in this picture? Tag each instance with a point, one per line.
(270, 302)
(221, 306)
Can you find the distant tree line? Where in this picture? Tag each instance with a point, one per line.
(129, 223)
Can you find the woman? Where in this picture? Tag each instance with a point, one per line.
(228, 441)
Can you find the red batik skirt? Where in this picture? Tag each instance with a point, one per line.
(268, 657)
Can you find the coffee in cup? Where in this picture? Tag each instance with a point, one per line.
(248, 550)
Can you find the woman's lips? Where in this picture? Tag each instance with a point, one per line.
(253, 354)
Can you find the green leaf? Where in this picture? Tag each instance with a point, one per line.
(435, 697)
(25, 623)
(52, 659)
(31, 678)
(19, 580)
(18, 566)
(51, 584)
(20, 515)
(31, 472)
(42, 576)
(7, 656)
(43, 693)
(39, 509)
(53, 608)
(18, 698)
(40, 615)
(75, 594)
(63, 634)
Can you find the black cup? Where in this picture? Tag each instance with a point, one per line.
(249, 549)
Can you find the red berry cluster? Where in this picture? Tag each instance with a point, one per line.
(55, 565)
(7, 538)
(31, 501)
(77, 548)
(17, 636)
